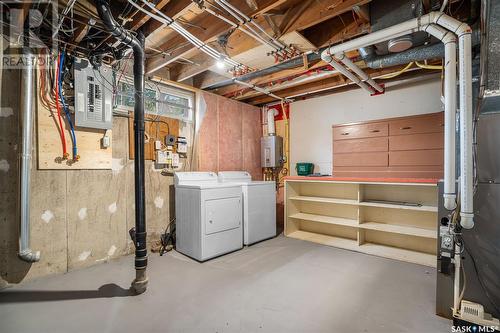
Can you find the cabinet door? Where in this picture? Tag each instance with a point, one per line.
(416, 157)
(360, 145)
(417, 141)
(222, 214)
(429, 124)
(360, 159)
(360, 131)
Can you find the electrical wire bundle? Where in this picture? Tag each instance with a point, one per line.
(52, 97)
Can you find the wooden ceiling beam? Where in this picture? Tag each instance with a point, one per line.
(335, 30)
(213, 27)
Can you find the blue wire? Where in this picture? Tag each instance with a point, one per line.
(65, 107)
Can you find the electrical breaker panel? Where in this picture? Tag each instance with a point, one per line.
(93, 95)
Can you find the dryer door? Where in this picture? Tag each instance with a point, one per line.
(222, 214)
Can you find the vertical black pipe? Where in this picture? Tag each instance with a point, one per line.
(139, 236)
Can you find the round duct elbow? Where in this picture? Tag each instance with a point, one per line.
(400, 44)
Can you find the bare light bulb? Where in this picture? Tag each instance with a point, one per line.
(220, 64)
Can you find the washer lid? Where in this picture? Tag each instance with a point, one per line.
(235, 176)
(181, 178)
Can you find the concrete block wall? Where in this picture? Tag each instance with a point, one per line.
(79, 218)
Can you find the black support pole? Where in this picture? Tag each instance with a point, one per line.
(139, 284)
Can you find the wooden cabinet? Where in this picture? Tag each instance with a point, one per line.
(392, 220)
(410, 147)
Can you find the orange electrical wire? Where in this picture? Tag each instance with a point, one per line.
(58, 107)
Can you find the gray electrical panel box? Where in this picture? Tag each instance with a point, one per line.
(271, 148)
(93, 95)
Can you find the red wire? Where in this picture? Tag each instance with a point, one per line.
(61, 129)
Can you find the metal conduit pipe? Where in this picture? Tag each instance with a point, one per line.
(365, 77)
(139, 284)
(253, 33)
(25, 252)
(259, 89)
(235, 12)
(463, 31)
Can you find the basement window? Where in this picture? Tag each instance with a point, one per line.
(159, 99)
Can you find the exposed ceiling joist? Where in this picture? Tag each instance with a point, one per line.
(320, 11)
(213, 27)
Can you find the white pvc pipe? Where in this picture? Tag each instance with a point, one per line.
(450, 107)
(244, 19)
(466, 159)
(365, 77)
(329, 59)
(271, 128)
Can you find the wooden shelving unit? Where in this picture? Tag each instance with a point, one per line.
(392, 220)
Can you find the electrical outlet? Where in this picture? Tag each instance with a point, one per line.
(105, 142)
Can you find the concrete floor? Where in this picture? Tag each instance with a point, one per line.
(281, 285)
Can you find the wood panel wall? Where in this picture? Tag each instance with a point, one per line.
(410, 147)
(229, 136)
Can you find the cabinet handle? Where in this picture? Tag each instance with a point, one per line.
(442, 125)
(375, 131)
(405, 128)
(345, 133)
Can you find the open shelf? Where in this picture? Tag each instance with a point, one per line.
(423, 208)
(344, 243)
(347, 215)
(399, 229)
(326, 219)
(325, 200)
(390, 252)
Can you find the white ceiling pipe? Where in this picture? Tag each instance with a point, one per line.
(365, 77)
(397, 30)
(271, 128)
(463, 31)
(329, 59)
(253, 33)
(256, 88)
(235, 12)
(234, 25)
(179, 29)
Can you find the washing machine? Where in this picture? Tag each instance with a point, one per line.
(259, 205)
(208, 214)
